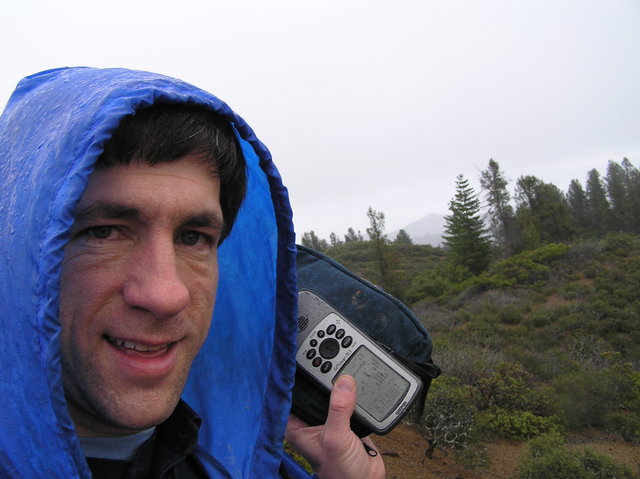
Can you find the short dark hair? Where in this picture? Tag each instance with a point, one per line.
(166, 132)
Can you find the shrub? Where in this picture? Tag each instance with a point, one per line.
(582, 398)
(466, 362)
(603, 467)
(561, 463)
(428, 284)
(527, 268)
(545, 444)
(449, 416)
(506, 388)
(473, 457)
(588, 350)
(433, 317)
(517, 424)
(510, 315)
(575, 291)
(586, 396)
(625, 423)
(509, 388)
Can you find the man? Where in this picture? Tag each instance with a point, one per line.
(124, 213)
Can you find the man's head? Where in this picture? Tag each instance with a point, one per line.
(140, 270)
(167, 132)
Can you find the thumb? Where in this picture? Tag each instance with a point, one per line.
(341, 405)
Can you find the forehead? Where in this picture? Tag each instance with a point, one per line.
(183, 185)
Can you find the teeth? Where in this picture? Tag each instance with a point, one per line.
(137, 347)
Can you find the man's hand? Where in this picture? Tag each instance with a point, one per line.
(333, 450)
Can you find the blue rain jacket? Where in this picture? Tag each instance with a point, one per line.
(51, 133)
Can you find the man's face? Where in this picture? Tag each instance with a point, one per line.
(137, 292)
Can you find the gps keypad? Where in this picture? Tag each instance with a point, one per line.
(328, 347)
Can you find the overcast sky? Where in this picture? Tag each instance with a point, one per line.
(374, 103)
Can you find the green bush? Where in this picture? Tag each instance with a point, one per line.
(473, 457)
(548, 458)
(585, 396)
(603, 467)
(575, 291)
(449, 415)
(428, 284)
(557, 465)
(509, 388)
(517, 424)
(527, 268)
(506, 388)
(582, 398)
(545, 444)
(625, 423)
(510, 315)
(468, 363)
(561, 463)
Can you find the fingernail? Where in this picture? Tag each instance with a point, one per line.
(345, 383)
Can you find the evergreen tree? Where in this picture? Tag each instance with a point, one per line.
(465, 234)
(621, 216)
(403, 238)
(378, 237)
(334, 240)
(501, 215)
(553, 212)
(598, 204)
(632, 186)
(352, 236)
(311, 240)
(578, 206)
(376, 225)
(543, 212)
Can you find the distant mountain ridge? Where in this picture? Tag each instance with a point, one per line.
(427, 230)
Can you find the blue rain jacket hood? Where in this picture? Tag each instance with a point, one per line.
(51, 133)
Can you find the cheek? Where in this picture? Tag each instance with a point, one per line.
(203, 287)
(85, 290)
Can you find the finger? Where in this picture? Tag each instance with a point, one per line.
(293, 425)
(341, 405)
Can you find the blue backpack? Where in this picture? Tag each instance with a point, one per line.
(387, 320)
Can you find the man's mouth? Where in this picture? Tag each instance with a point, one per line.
(138, 347)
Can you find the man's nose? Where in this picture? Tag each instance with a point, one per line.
(154, 283)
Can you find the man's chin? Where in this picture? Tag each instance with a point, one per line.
(125, 420)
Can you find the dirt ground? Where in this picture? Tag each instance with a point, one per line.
(403, 450)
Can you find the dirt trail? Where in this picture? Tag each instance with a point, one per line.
(404, 448)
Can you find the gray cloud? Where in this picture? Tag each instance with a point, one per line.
(372, 102)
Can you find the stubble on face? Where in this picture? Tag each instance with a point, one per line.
(137, 292)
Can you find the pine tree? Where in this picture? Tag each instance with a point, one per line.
(598, 204)
(632, 186)
(578, 207)
(352, 236)
(501, 215)
(403, 238)
(334, 240)
(378, 237)
(311, 240)
(621, 215)
(465, 233)
(543, 212)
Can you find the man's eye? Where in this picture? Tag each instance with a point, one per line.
(192, 238)
(100, 232)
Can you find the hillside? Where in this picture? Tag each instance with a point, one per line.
(544, 344)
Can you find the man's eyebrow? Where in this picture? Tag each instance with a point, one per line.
(205, 220)
(114, 210)
(105, 209)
